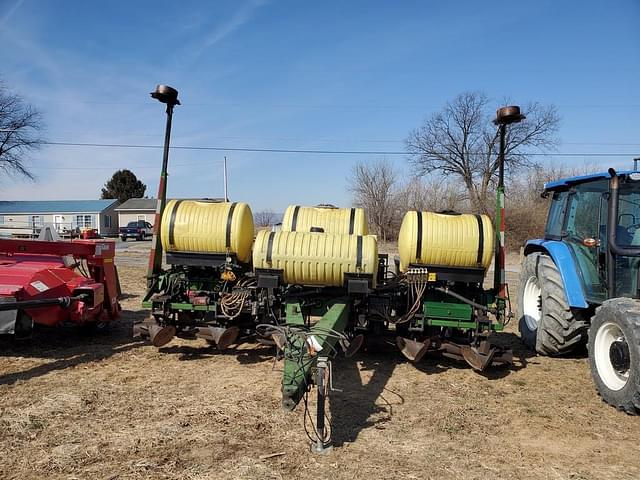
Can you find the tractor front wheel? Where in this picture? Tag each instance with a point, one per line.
(546, 322)
(614, 353)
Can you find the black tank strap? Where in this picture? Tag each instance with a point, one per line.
(172, 222)
(294, 220)
(270, 247)
(229, 222)
(419, 239)
(352, 221)
(480, 240)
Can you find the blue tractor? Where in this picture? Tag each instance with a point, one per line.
(580, 284)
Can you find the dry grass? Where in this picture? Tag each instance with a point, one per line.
(108, 407)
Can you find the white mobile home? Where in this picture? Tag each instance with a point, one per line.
(18, 218)
(136, 209)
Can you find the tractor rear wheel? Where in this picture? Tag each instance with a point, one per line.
(546, 322)
(614, 353)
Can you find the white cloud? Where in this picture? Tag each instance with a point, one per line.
(241, 17)
(5, 18)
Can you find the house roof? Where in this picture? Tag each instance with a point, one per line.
(566, 182)
(138, 204)
(55, 206)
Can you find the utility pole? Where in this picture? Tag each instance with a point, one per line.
(168, 96)
(226, 194)
(504, 116)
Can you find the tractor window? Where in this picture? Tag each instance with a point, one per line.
(628, 234)
(584, 207)
(628, 231)
(556, 216)
(584, 222)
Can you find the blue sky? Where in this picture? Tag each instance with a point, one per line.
(355, 75)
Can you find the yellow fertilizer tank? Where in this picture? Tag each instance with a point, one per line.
(201, 226)
(319, 259)
(452, 240)
(352, 221)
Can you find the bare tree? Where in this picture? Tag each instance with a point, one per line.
(526, 213)
(460, 141)
(373, 187)
(265, 218)
(432, 195)
(20, 127)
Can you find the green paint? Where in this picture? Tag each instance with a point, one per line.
(298, 364)
(450, 314)
(184, 307)
(497, 327)
(293, 314)
(447, 310)
(500, 303)
(450, 323)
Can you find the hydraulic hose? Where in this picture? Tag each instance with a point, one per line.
(466, 300)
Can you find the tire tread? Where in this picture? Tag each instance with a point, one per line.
(626, 311)
(559, 331)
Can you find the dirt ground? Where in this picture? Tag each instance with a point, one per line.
(76, 406)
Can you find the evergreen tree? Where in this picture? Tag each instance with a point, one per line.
(123, 185)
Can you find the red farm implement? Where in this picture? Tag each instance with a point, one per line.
(53, 282)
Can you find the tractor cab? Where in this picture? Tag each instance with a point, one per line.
(579, 217)
(580, 284)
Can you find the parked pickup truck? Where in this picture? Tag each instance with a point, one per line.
(138, 230)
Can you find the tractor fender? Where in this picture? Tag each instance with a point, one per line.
(561, 256)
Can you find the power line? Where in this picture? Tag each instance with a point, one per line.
(310, 151)
(608, 144)
(253, 104)
(228, 149)
(137, 167)
(334, 139)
